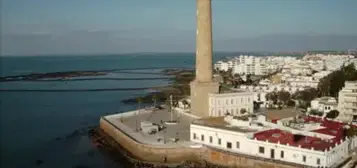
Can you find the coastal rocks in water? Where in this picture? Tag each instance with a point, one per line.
(39, 162)
(38, 76)
(179, 87)
(160, 97)
(80, 166)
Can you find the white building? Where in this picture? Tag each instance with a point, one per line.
(347, 101)
(252, 65)
(254, 136)
(231, 103)
(324, 104)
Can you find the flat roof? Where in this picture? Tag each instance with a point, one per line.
(130, 122)
(218, 122)
(231, 93)
(274, 114)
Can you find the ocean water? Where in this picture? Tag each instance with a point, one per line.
(36, 125)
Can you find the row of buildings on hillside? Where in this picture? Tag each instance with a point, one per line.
(298, 140)
(301, 140)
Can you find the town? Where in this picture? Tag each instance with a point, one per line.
(248, 111)
(298, 111)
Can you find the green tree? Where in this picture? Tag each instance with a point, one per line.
(315, 112)
(243, 110)
(331, 84)
(332, 114)
(350, 132)
(272, 96)
(291, 103)
(284, 97)
(306, 95)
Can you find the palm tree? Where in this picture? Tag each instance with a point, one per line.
(154, 99)
(139, 100)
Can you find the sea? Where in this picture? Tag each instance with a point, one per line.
(49, 129)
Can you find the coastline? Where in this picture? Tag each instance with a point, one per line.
(166, 155)
(178, 85)
(109, 145)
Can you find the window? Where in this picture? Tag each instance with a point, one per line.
(241, 100)
(248, 99)
(219, 141)
(227, 102)
(231, 101)
(318, 162)
(194, 136)
(261, 149)
(237, 145)
(202, 138)
(210, 139)
(229, 145)
(304, 158)
(282, 154)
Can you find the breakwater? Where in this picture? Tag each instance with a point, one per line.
(70, 74)
(86, 79)
(72, 90)
(157, 154)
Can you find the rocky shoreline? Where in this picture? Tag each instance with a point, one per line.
(52, 75)
(178, 86)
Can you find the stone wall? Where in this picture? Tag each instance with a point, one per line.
(148, 153)
(217, 157)
(151, 153)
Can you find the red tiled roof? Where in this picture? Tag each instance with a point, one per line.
(332, 128)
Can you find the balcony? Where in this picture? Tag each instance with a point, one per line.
(351, 94)
(350, 99)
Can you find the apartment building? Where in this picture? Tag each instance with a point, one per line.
(347, 101)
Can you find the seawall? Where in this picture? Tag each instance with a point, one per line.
(146, 152)
(159, 154)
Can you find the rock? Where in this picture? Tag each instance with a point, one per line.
(39, 162)
(90, 153)
(80, 166)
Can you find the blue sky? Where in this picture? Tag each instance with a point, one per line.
(56, 26)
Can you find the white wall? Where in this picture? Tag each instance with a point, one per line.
(251, 147)
(219, 104)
